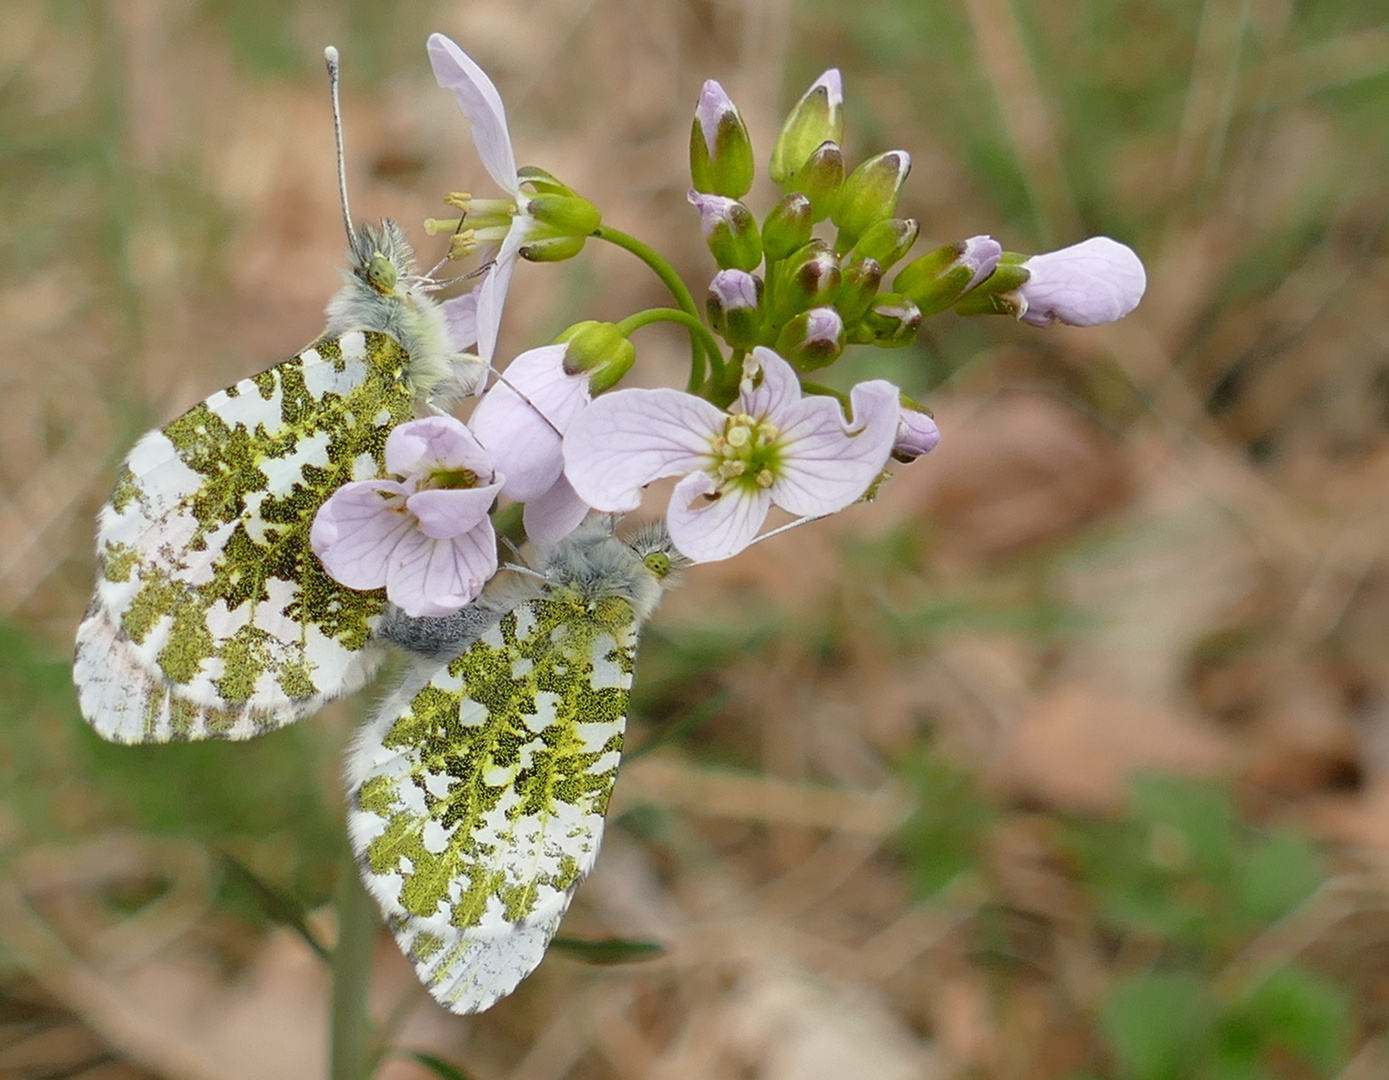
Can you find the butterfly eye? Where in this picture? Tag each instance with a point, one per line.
(658, 562)
(381, 274)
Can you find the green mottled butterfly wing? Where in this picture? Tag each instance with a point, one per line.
(212, 617)
(479, 790)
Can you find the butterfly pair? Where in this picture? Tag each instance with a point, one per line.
(477, 790)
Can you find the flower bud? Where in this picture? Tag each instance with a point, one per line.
(939, 278)
(734, 307)
(600, 349)
(869, 195)
(893, 320)
(1096, 281)
(813, 339)
(821, 179)
(720, 149)
(787, 227)
(818, 117)
(885, 242)
(565, 215)
(857, 288)
(809, 278)
(997, 294)
(917, 432)
(551, 249)
(730, 230)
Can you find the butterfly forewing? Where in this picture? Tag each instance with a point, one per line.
(212, 616)
(479, 796)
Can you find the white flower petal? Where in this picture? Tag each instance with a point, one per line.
(438, 577)
(356, 531)
(827, 464)
(443, 513)
(1096, 281)
(460, 318)
(491, 293)
(478, 99)
(707, 530)
(779, 390)
(436, 440)
(554, 514)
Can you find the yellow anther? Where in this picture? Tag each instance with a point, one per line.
(765, 478)
(460, 199)
(738, 436)
(462, 244)
(729, 469)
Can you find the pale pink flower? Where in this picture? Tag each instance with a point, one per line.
(772, 447)
(479, 312)
(1096, 281)
(424, 536)
(917, 434)
(520, 421)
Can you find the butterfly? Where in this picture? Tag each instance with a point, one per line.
(477, 791)
(212, 617)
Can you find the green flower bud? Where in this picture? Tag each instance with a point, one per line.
(816, 118)
(885, 242)
(600, 349)
(869, 195)
(720, 148)
(809, 278)
(734, 307)
(565, 215)
(940, 277)
(857, 288)
(787, 227)
(821, 179)
(893, 320)
(730, 230)
(813, 339)
(997, 294)
(552, 249)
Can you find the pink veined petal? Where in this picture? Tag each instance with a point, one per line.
(554, 514)
(491, 294)
(478, 99)
(439, 577)
(825, 466)
(520, 419)
(436, 440)
(628, 438)
(460, 318)
(707, 530)
(778, 391)
(1096, 281)
(356, 530)
(444, 513)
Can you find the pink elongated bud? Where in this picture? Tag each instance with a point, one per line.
(917, 432)
(1096, 281)
(734, 307)
(940, 277)
(813, 339)
(730, 230)
(720, 147)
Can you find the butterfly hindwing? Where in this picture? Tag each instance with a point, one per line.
(479, 790)
(212, 616)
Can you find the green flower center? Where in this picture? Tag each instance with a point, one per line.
(747, 454)
(451, 479)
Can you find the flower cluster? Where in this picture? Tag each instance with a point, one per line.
(791, 292)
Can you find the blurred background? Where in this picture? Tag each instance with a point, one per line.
(1068, 759)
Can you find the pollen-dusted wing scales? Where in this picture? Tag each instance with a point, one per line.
(212, 616)
(479, 789)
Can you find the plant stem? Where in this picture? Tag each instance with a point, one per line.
(682, 318)
(351, 1026)
(663, 270)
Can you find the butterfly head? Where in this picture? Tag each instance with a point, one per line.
(382, 259)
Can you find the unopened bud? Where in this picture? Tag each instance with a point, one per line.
(893, 320)
(885, 242)
(730, 230)
(818, 117)
(809, 278)
(565, 215)
(940, 277)
(787, 227)
(857, 288)
(600, 349)
(820, 179)
(734, 307)
(551, 249)
(998, 293)
(1096, 281)
(813, 339)
(720, 149)
(917, 432)
(869, 195)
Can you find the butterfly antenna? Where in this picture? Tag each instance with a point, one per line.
(330, 57)
(788, 527)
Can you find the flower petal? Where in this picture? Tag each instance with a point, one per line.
(355, 532)
(491, 293)
(1096, 281)
(827, 464)
(628, 438)
(460, 319)
(707, 530)
(478, 99)
(417, 445)
(438, 577)
(554, 514)
(778, 391)
(444, 513)
(520, 419)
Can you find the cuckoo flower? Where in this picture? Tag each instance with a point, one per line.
(509, 224)
(520, 421)
(425, 536)
(1096, 281)
(772, 446)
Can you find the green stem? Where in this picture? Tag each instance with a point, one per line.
(696, 328)
(351, 1025)
(673, 282)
